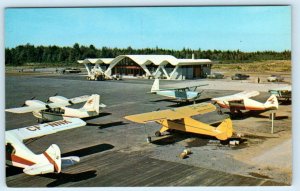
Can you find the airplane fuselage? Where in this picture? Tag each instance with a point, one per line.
(244, 104)
(59, 114)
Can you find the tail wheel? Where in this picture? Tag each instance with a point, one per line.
(40, 120)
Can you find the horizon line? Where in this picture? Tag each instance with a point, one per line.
(172, 49)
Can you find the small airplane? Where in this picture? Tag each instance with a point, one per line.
(185, 119)
(180, 94)
(241, 101)
(57, 110)
(19, 155)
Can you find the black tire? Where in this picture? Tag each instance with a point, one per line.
(224, 142)
(40, 120)
(157, 134)
(148, 139)
(220, 112)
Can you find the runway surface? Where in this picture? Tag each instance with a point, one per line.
(114, 151)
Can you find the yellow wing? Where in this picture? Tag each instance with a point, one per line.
(172, 114)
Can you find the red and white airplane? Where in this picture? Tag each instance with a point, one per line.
(18, 155)
(241, 101)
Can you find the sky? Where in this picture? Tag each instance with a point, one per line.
(247, 28)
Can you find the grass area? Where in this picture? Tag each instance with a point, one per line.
(46, 65)
(261, 66)
(31, 66)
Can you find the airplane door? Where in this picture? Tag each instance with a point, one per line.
(239, 104)
(180, 94)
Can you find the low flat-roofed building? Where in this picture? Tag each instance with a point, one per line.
(156, 66)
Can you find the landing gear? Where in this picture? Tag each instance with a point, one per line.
(157, 133)
(148, 139)
(236, 114)
(219, 111)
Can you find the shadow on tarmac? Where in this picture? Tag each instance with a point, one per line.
(64, 178)
(107, 125)
(89, 150)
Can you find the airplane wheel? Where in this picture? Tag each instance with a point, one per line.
(157, 134)
(148, 139)
(224, 142)
(171, 131)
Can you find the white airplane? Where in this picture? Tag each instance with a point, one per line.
(57, 110)
(180, 94)
(242, 101)
(18, 155)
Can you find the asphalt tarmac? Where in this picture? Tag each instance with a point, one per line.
(114, 151)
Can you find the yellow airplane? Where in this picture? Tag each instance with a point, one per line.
(181, 119)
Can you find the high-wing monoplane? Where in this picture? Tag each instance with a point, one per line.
(186, 119)
(180, 94)
(57, 110)
(241, 101)
(19, 155)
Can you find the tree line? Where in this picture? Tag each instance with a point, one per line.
(28, 53)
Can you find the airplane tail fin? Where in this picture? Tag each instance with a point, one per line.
(52, 162)
(225, 130)
(155, 86)
(271, 103)
(93, 103)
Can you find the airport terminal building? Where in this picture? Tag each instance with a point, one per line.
(146, 66)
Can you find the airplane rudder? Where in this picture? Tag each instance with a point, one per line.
(155, 86)
(97, 103)
(226, 129)
(272, 100)
(53, 156)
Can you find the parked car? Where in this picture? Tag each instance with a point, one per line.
(240, 77)
(72, 70)
(215, 76)
(275, 78)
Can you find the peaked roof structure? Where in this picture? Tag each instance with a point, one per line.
(147, 59)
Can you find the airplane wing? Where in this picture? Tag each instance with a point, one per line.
(238, 96)
(46, 128)
(183, 88)
(80, 99)
(26, 109)
(57, 102)
(75, 100)
(172, 114)
(197, 86)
